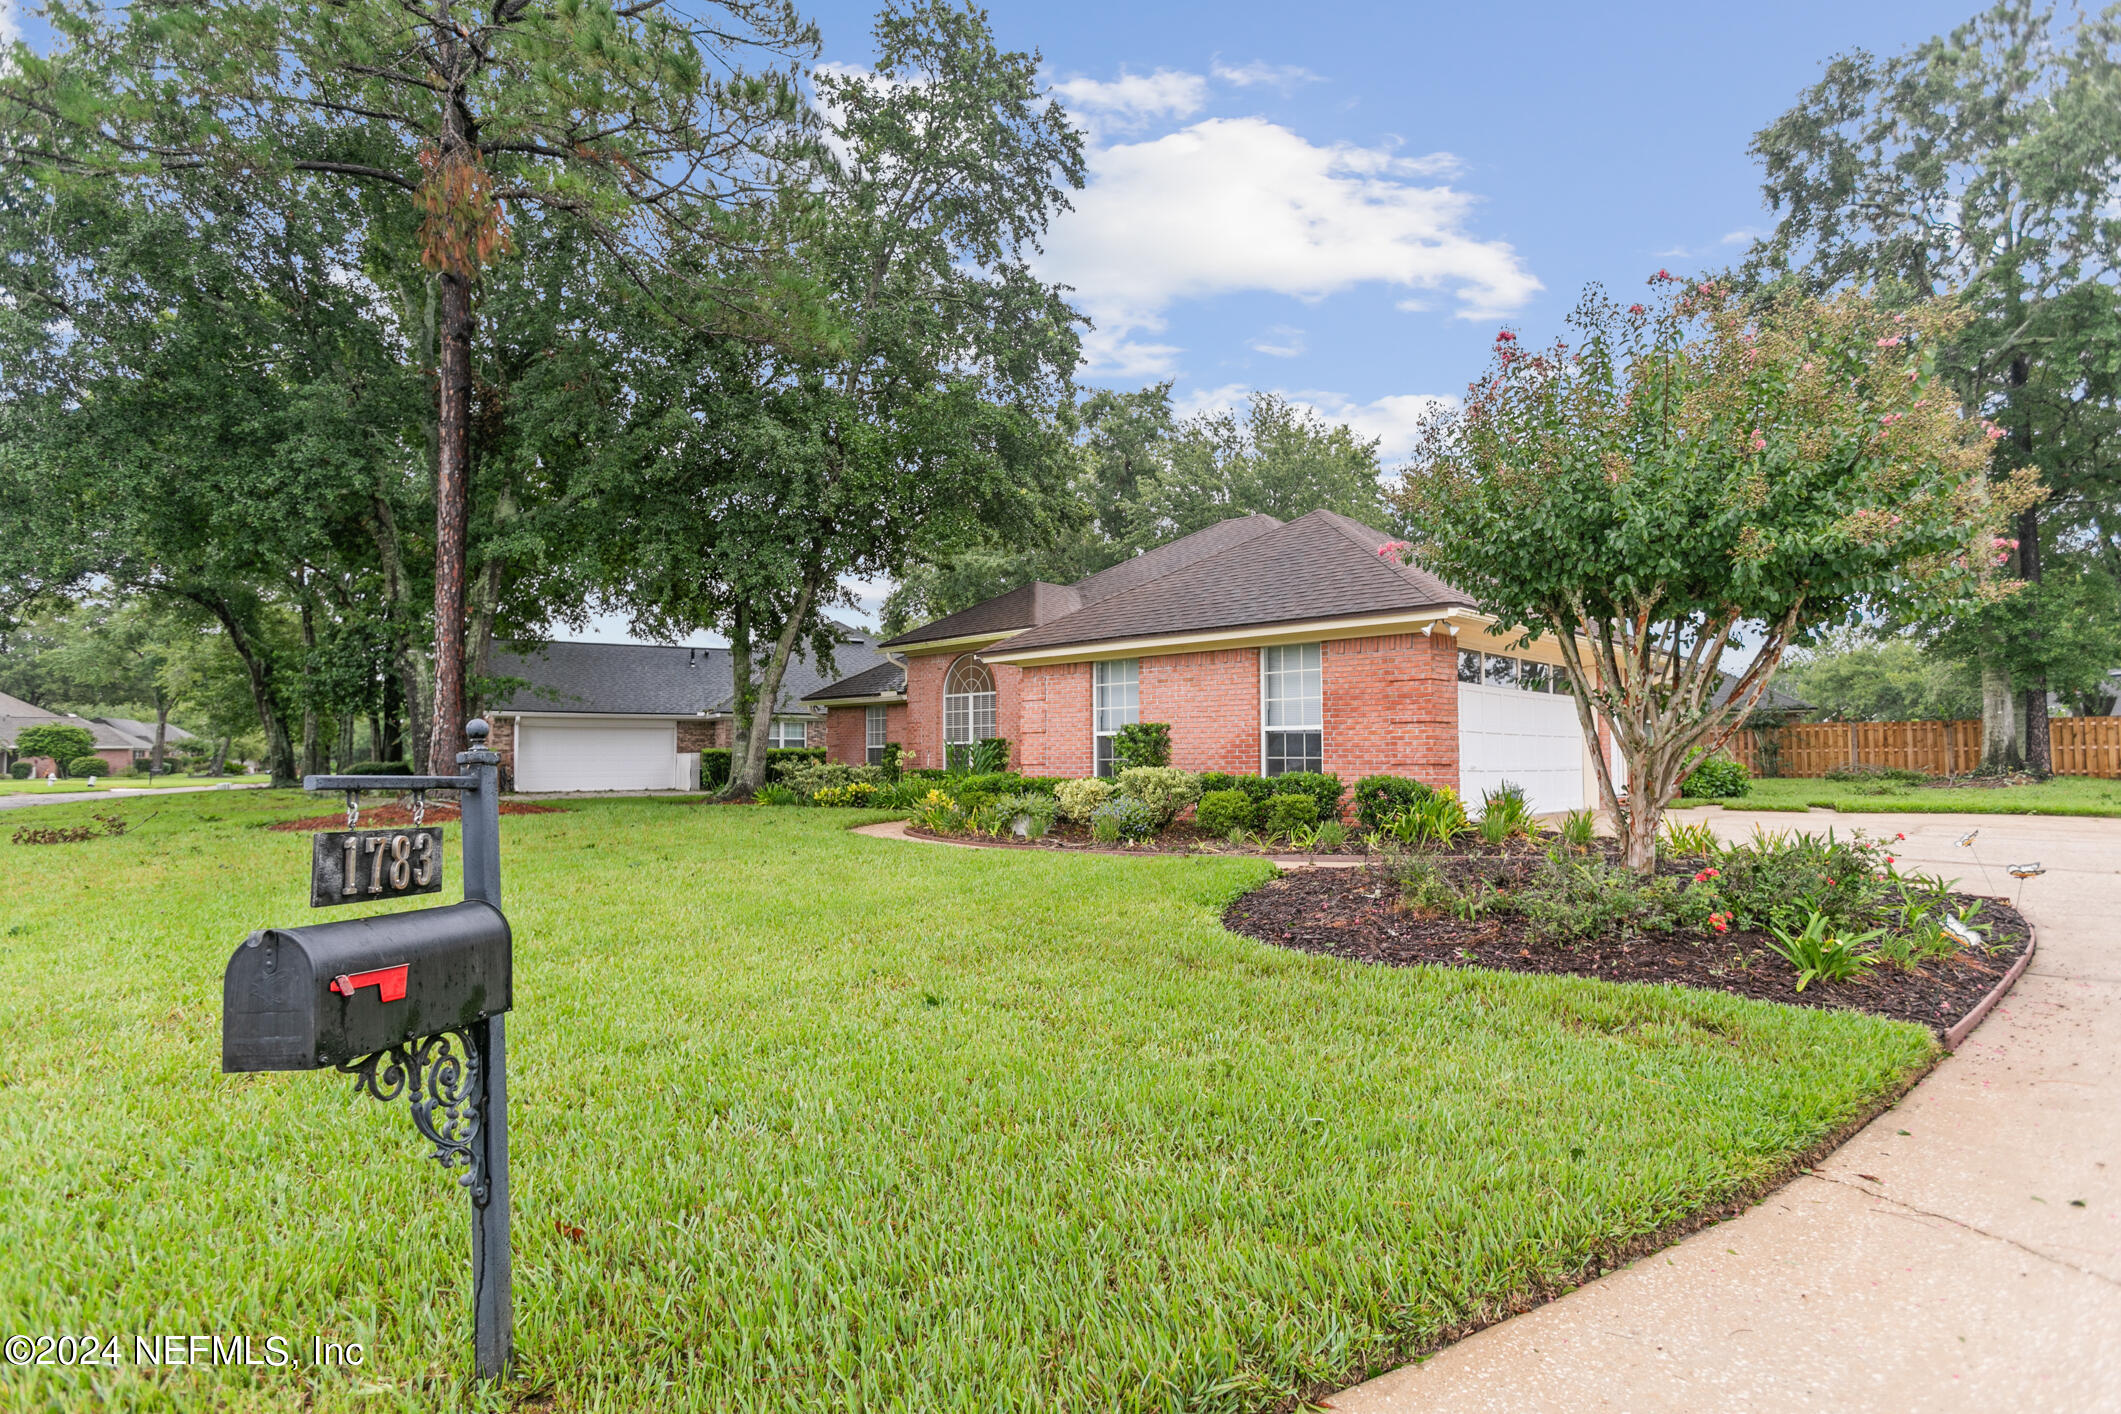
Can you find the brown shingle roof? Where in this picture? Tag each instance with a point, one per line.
(1169, 559)
(1022, 607)
(883, 680)
(1321, 566)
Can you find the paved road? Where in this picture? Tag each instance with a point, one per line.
(23, 802)
(1963, 1252)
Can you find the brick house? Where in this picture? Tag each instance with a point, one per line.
(111, 744)
(1266, 646)
(631, 716)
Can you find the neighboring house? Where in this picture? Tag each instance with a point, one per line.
(113, 746)
(628, 716)
(1774, 709)
(1267, 647)
(141, 736)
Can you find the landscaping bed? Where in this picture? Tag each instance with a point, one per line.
(1361, 914)
(1182, 838)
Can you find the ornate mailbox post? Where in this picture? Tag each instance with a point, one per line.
(407, 1003)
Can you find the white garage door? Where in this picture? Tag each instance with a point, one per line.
(1529, 738)
(601, 753)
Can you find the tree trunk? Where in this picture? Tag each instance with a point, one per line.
(154, 756)
(219, 763)
(279, 747)
(747, 761)
(741, 696)
(452, 502)
(2038, 759)
(346, 740)
(1999, 728)
(1638, 832)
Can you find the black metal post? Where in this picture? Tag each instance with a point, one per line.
(492, 1282)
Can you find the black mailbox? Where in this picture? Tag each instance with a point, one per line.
(323, 995)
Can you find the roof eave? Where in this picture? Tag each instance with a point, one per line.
(1240, 636)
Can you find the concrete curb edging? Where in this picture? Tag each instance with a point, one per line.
(1956, 1036)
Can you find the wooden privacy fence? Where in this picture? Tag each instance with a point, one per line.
(2080, 746)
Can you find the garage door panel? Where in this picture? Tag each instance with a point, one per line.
(601, 754)
(1528, 739)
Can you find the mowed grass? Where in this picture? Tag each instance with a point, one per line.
(36, 785)
(2062, 795)
(846, 1123)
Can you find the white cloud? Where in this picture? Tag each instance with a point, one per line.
(1743, 236)
(10, 28)
(1243, 204)
(1133, 99)
(1281, 76)
(1282, 341)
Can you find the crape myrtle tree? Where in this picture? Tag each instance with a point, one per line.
(753, 477)
(630, 119)
(1981, 165)
(1686, 471)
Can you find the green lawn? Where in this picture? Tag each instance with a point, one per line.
(2064, 795)
(847, 1123)
(36, 786)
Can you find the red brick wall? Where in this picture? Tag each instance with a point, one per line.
(923, 737)
(1391, 704)
(847, 732)
(1054, 717)
(501, 738)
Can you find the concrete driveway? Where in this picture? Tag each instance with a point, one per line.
(1963, 1252)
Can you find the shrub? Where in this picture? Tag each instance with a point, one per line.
(1221, 811)
(1504, 812)
(1320, 786)
(714, 768)
(894, 760)
(1125, 817)
(1781, 878)
(1028, 813)
(852, 793)
(1286, 814)
(773, 794)
(61, 742)
(1438, 820)
(1570, 897)
(88, 767)
(1718, 778)
(1142, 744)
(977, 758)
(1381, 799)
(20, 770)
(937, 811)
(378, 768)
(1328, 836)
(780, 758)
(1820, 954)
(807, 778)
(1079, 799)
(1165, 790)
(1008, 783)
(1256, 788)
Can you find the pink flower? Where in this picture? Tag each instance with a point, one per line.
(1661, 275)
(1890, 418)
(1505, 337)
(1892, 343)
(1707, 288)
(1759, 440)
(1995, 433)
(1392, 549)
(1637, 309)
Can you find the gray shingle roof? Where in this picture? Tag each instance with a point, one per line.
(142, 733)
(1775, 700)
(635, 679)
(881, 680)
(1320, 566)
(1165, 559)
(1021, 607)
(15, 714)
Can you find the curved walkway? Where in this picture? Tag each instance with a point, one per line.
(1962, 1252)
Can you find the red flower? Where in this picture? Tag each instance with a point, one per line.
(1830, 883)
(1900, 836)
(1707, 874)
(1505, 337)
(1721, 922)
(1889, 859)
(1661, 275)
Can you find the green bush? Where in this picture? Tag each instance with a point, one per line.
(1125, 817)
(774, 794)
(978, 758)
(60, 742)
(779, 758)
(1719, 778)
(20, 770)
(894, 760)
(1033, 810)
(1008, 783)
(1319, 785)
(1255, 788)
(1222, 811)
(88, 767)
(714, 768)
(378, 768)
(1286, 814)
(807, 778)
(1142, 744)
(1165, 790)
(1381, 799)
(1571, 897)
(1079, 799)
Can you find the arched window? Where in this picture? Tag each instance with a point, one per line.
(968, 702)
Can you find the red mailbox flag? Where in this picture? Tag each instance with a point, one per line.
(389, 982)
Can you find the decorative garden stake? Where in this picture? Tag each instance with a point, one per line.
(408, 1004)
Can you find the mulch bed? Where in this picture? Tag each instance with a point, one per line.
(383, 815)
(1356, 914)
(1175, 839)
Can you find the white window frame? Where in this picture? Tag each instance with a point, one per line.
(777, 730)
(1104, 728)
(876, 733)
(1268, 656)
(977, 705)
